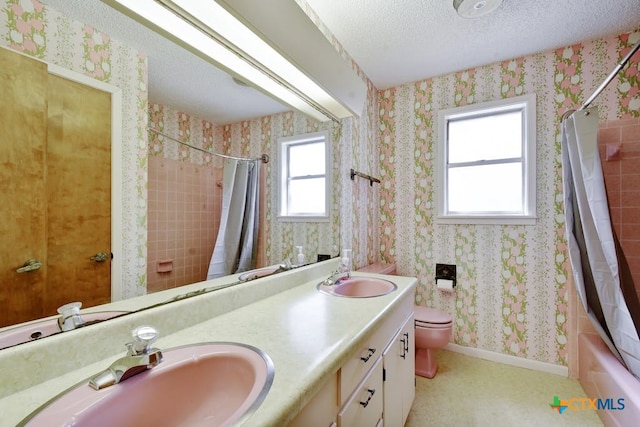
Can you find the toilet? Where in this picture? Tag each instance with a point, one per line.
(433, 330)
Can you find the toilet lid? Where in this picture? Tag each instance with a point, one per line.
(431, 315)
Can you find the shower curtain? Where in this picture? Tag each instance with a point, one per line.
(236, 245)
(602, 277)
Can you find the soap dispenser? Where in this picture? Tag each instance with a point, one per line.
(300, 256)
(346, 261)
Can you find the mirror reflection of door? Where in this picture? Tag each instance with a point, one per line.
(56, 179)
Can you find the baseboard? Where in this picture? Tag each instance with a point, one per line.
(507, 359)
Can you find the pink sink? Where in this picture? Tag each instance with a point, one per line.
(209, 384)
(46, 327)
(258, 273)
(359, 287)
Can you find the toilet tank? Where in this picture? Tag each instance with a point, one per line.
(379, 268)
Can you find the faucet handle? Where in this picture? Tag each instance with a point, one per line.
(143, 338)
(69, 316)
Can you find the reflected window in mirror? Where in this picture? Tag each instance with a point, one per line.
(304, 177)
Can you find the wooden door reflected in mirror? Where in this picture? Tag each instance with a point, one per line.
(55, 202)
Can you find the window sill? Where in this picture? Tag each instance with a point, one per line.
(303, 218)
(487, 220)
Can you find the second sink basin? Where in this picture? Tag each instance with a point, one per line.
(359, 287)
(46, 327)
(212, 384)
(258, 273)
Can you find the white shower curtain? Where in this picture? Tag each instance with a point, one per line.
(596, 259)
(236, 246)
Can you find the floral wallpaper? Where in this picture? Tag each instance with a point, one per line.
(512, 294)
(29, 27)
(197, 132)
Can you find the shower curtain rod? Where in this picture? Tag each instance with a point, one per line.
(264, 158)
(610, 77)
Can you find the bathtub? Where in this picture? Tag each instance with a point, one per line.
(602, 376)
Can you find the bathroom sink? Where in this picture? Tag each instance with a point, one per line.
(359, 287)
(212, 384)
(257, 273)
(44, 328)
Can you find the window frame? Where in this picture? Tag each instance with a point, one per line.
(526, 104)
(284, 144)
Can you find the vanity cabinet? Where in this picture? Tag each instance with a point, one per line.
(376, 385)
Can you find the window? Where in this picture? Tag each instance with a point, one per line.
(305, 181)
(486, 163)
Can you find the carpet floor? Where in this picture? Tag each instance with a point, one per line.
(469, 392)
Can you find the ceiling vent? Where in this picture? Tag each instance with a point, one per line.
(475, 8)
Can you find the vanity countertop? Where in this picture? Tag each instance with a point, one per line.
(307, 334)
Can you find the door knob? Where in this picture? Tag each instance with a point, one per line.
(99, 257)
(30, 265)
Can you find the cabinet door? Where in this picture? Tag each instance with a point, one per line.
(393, 382)
(408, 367)
(23, 124)
(399, 382)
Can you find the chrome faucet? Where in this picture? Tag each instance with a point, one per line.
(285, 266)
(342, 273)
(336, 277)
(140, 357)
(70, 316)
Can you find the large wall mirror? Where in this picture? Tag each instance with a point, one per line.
(188, 100)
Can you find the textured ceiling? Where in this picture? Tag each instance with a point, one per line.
(402, 41)
(393, 41)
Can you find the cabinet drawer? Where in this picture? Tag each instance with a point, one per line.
(357, 366)
(362, 361)
(364, 407)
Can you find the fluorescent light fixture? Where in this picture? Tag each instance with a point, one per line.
(208, 28)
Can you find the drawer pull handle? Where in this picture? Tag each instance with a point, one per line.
(371, 393)
(366, 358)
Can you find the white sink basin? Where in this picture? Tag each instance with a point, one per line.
(44, 328)
(208, 384)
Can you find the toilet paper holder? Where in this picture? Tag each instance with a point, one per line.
(446, 272)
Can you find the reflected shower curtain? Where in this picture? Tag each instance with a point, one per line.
(236, 246)
(599, 268)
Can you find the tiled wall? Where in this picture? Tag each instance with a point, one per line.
(619, 142)
(185, 201)
(185, 193)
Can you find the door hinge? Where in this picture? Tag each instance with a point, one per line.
(384, 374)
